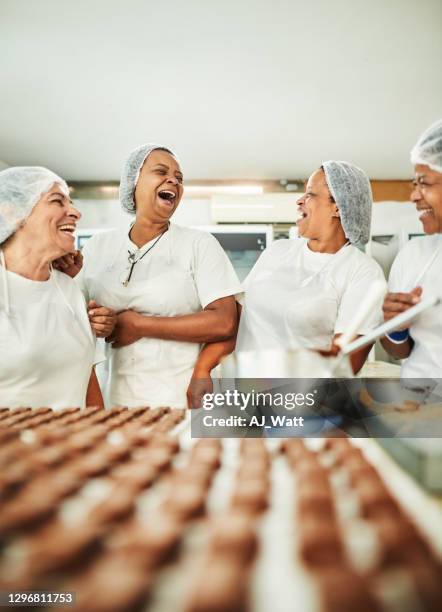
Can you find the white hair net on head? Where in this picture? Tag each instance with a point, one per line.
(131, 173)
(351, 190)
(428, 149)
(20, 189)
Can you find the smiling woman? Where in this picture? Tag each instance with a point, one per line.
(47, 348)
(173, 286)
(415, 273)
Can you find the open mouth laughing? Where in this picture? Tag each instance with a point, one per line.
(67, 228)
(167, 196)
(424, 213)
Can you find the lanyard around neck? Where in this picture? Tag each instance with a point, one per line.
(133, 260)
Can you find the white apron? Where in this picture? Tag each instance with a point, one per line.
(289, 307)
(46, 344)
(150, 371)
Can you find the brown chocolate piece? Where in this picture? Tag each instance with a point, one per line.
(234, 534)
(427, 579)
(362, 472)
(27, 510)
(136, 474)
(348, 453)
(315, 501)
(375, 499)
(221, 587)
(320, 543)
(195, 473)
(13, 478)
(119, 504)
(56, 547)
(335, 444)
(342, 590)
(115, 583)
(152, 543)
(170, 443)
(114, 452)
(187, 500)
(400, 541)
(251, 496)
(158, 458)
(206, 455)
(253, 471)
(91, 464)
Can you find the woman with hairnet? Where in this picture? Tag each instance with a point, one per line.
(47, 347)
(173, 286)
(416, 270)
(304, 292)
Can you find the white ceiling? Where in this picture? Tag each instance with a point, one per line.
(241, 89)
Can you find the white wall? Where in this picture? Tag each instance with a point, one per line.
(107, 214)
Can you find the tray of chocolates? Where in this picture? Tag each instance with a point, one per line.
(128, 512)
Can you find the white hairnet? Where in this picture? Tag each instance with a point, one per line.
(428, 149)
(20, 189)
(131, 173)
(351, 190)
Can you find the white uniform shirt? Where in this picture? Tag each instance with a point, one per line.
(295, 297)
(185, 271)
(425, 360)
(46, 343)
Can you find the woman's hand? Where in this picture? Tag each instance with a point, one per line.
(395, 303)
(70, 264)
(126, 330)
(199, 385)
(102, 319)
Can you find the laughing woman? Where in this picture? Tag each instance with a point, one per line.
(303, 293)
(415, 273)
(173, 286)
(47, 347)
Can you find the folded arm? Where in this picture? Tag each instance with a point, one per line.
(217, 322)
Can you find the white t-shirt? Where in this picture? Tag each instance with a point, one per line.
(183, 272)
(47, 346)
(425, 360)
(295, 297)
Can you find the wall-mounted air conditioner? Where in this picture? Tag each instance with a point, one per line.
(262, 208)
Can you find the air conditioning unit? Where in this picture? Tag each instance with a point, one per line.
(262, 208)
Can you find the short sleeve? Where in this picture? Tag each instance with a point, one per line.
(214, 275)
(354, 294)
(80, 279)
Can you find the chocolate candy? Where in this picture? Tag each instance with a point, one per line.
(234, 535)
(136, 474)
(27, 510)
(427, 579)
(119, 504)
(113, 584)
(186, 500)
(57, 547)
(315, 501)
(221, 587)
(153, 542)
(251, 496)
(400, 541)
(320, 543)
(375, 499)
(341, 590)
